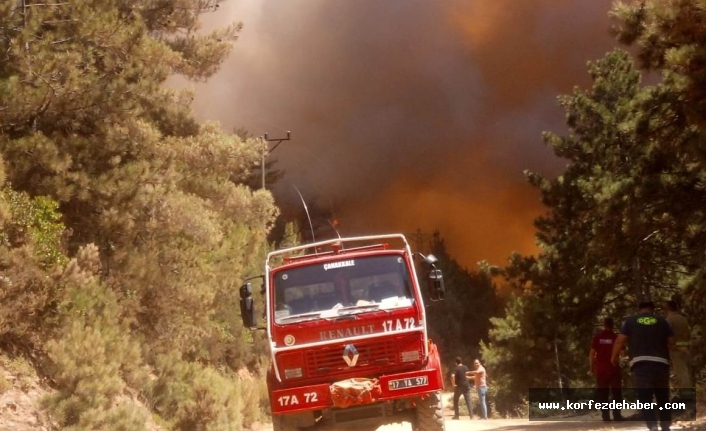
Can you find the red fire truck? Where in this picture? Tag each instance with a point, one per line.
(347, 332)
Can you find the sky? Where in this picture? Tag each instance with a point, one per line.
(410, 114)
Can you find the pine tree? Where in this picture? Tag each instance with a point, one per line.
(619, 226)
(670, 39)
(461, 321)
(87, 125)
(31, 249)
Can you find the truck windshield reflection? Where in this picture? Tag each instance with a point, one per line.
(341, 288)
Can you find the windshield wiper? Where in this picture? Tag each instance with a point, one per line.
(308, 316)
(339, 317)
(332, 313)
(352, 309)
(359, 307)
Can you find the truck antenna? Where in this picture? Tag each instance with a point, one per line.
(334, 228)
(311, 226)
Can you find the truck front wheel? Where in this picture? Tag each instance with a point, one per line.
(429, 414)
(283, 423)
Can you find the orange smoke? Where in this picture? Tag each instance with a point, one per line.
(488, 221)
(523, 46)
(410, 114)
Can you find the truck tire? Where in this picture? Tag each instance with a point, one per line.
(282, 423)
(429, 414)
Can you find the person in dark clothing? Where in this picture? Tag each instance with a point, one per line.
(608, 379)
(648, 338)
(461, 387)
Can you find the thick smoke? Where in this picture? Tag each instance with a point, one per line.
(410, 114)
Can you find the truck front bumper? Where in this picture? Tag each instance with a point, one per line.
(387, 387)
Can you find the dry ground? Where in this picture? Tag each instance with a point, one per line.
(465, 424)
(19, 412)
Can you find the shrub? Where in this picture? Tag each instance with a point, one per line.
(22, 369)
(196, 398)
(5, 385)
(92, 358)
(256, 401)
(30, 249)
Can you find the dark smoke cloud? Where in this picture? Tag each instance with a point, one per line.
(414, 113)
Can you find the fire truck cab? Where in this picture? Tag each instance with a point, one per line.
(346, 325)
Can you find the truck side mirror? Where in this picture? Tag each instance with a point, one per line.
(247, 306)
(436, 285)
(430, 259)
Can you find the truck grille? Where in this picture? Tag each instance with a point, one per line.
(372, 354)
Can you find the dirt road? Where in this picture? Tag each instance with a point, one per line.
(464, 424)
(594, 424)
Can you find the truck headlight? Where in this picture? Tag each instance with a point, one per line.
(292, 373)
(410, 356)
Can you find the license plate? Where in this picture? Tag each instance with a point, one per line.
(411, 382)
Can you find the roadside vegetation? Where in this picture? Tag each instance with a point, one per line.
(626, 218)
(125, 226)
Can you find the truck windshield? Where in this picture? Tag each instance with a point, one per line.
(349, 285)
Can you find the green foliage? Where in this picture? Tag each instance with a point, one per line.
(108, 167)
(22, 370)
(31, 247)
(670, 38)
(626, 219)
(291, 236)
(256, 401)
(34, 221)
(503, 401)
(200, 398)
(93, 356)
(461, 321)
(5, 384)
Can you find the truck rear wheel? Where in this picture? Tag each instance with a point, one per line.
(429, 414)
